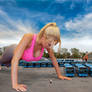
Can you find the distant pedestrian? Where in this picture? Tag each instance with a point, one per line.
(85, 58)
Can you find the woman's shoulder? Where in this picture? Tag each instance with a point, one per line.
(25, 41)
(28, 38)
(28, 35)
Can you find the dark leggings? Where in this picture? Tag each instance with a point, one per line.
(7, 55)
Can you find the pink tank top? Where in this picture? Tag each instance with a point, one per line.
(28, 53)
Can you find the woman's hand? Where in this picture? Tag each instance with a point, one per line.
(20, 87)
(63, 77)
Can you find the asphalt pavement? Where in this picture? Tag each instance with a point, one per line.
(44, 80)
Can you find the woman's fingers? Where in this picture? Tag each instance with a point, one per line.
(17, 89)
(67, 78)
(21, 88)
(63, 77)
(24, 86)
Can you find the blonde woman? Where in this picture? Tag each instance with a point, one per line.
(31, 48)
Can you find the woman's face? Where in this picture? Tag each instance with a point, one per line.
(49, 42)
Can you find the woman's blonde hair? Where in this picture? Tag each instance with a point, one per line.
(52, 30)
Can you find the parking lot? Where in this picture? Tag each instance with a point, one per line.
(38, 80)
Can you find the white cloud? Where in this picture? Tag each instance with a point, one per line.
(82, 33)
(83, 43)
(13, 35)
(6, 42)
(81, 25)
(81, 29)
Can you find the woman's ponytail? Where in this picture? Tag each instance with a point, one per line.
(43, 29)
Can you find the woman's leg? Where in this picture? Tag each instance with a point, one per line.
(0, 62)
(7, 55)
(0, 67)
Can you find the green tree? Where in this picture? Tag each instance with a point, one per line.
(75, 53)
(65, 53)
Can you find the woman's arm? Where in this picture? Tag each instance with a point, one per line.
(15, 60)
(55, 63)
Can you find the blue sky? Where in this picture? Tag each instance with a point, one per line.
(73, 17)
